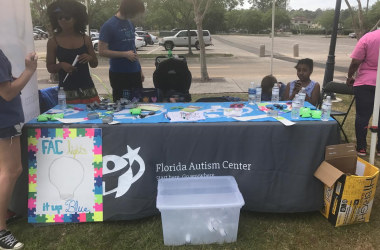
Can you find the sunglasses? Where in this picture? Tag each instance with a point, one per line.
(67, 18)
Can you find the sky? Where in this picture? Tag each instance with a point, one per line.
(323, 4)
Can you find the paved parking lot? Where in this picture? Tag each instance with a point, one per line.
(233, 73)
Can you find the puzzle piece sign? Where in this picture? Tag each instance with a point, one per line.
(65, 175)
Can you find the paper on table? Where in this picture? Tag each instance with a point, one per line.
(180, 116)
(150, 107)
(248, 118)
(72, 120)
(124, 111)
(284, 121)
(191, 109)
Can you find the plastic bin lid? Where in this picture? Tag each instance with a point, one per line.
(198, 192)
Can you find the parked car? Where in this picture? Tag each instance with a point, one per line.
(154, 38)
(181, 39)
(352, 35)
(146, 36)
(139, 42)
(94, 34)
(41, 33)
(36, 36)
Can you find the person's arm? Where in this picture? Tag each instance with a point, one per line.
(91, 56)
(51, 63)
(142, 76)
(296, 89)
(355, 63)
(314, 99)
(9, 90)
(106, 52)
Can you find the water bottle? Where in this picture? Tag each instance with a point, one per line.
(275, 93)
(326, 109)
(61, 99)
(258, 94)
(302, 96)
(170, 53)
(296, 105)
(252, 93)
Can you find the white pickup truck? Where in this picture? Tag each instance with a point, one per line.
(181, 39)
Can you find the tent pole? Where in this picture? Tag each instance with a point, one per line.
(88, 25)
(375, 115)
(271, 55)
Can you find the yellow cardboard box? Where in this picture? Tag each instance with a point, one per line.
(350, 185)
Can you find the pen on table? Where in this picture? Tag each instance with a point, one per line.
(75, 62)
(166, 116)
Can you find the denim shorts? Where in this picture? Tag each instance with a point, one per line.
(10, 132)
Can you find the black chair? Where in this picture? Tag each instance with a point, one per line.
(343, 89)
(146, 95)
(213, 99)
(48, 98)
(173, 77)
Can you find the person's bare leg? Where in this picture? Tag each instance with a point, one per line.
(10, 170)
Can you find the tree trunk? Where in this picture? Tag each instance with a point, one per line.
(190, 52)
(198, 18)
(357, 28)
(375, 27)
(360, 19)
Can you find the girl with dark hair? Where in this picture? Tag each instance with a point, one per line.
(117, 42)
(267, 84)
(304, 69)
(68, 19)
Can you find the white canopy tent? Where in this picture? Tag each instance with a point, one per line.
(16, 32)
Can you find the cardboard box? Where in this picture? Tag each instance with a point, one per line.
(350, 185)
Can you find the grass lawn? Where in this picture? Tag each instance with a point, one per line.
(256, 230)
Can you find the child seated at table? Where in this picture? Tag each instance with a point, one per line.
(267, 84)
(304, 69)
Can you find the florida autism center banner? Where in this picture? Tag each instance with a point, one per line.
(65, 175)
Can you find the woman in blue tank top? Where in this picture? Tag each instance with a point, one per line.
(68, 19)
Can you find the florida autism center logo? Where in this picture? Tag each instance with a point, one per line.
(115, 163)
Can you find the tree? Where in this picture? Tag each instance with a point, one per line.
(358, 21)
(39, 14)
(281, 18)
(326, 20)
(200, 10)
(100, 11)
(265, 5)
(251, 20)
(374, 15)
(214, 20)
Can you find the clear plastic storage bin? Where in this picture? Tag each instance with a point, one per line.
(199, 210)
